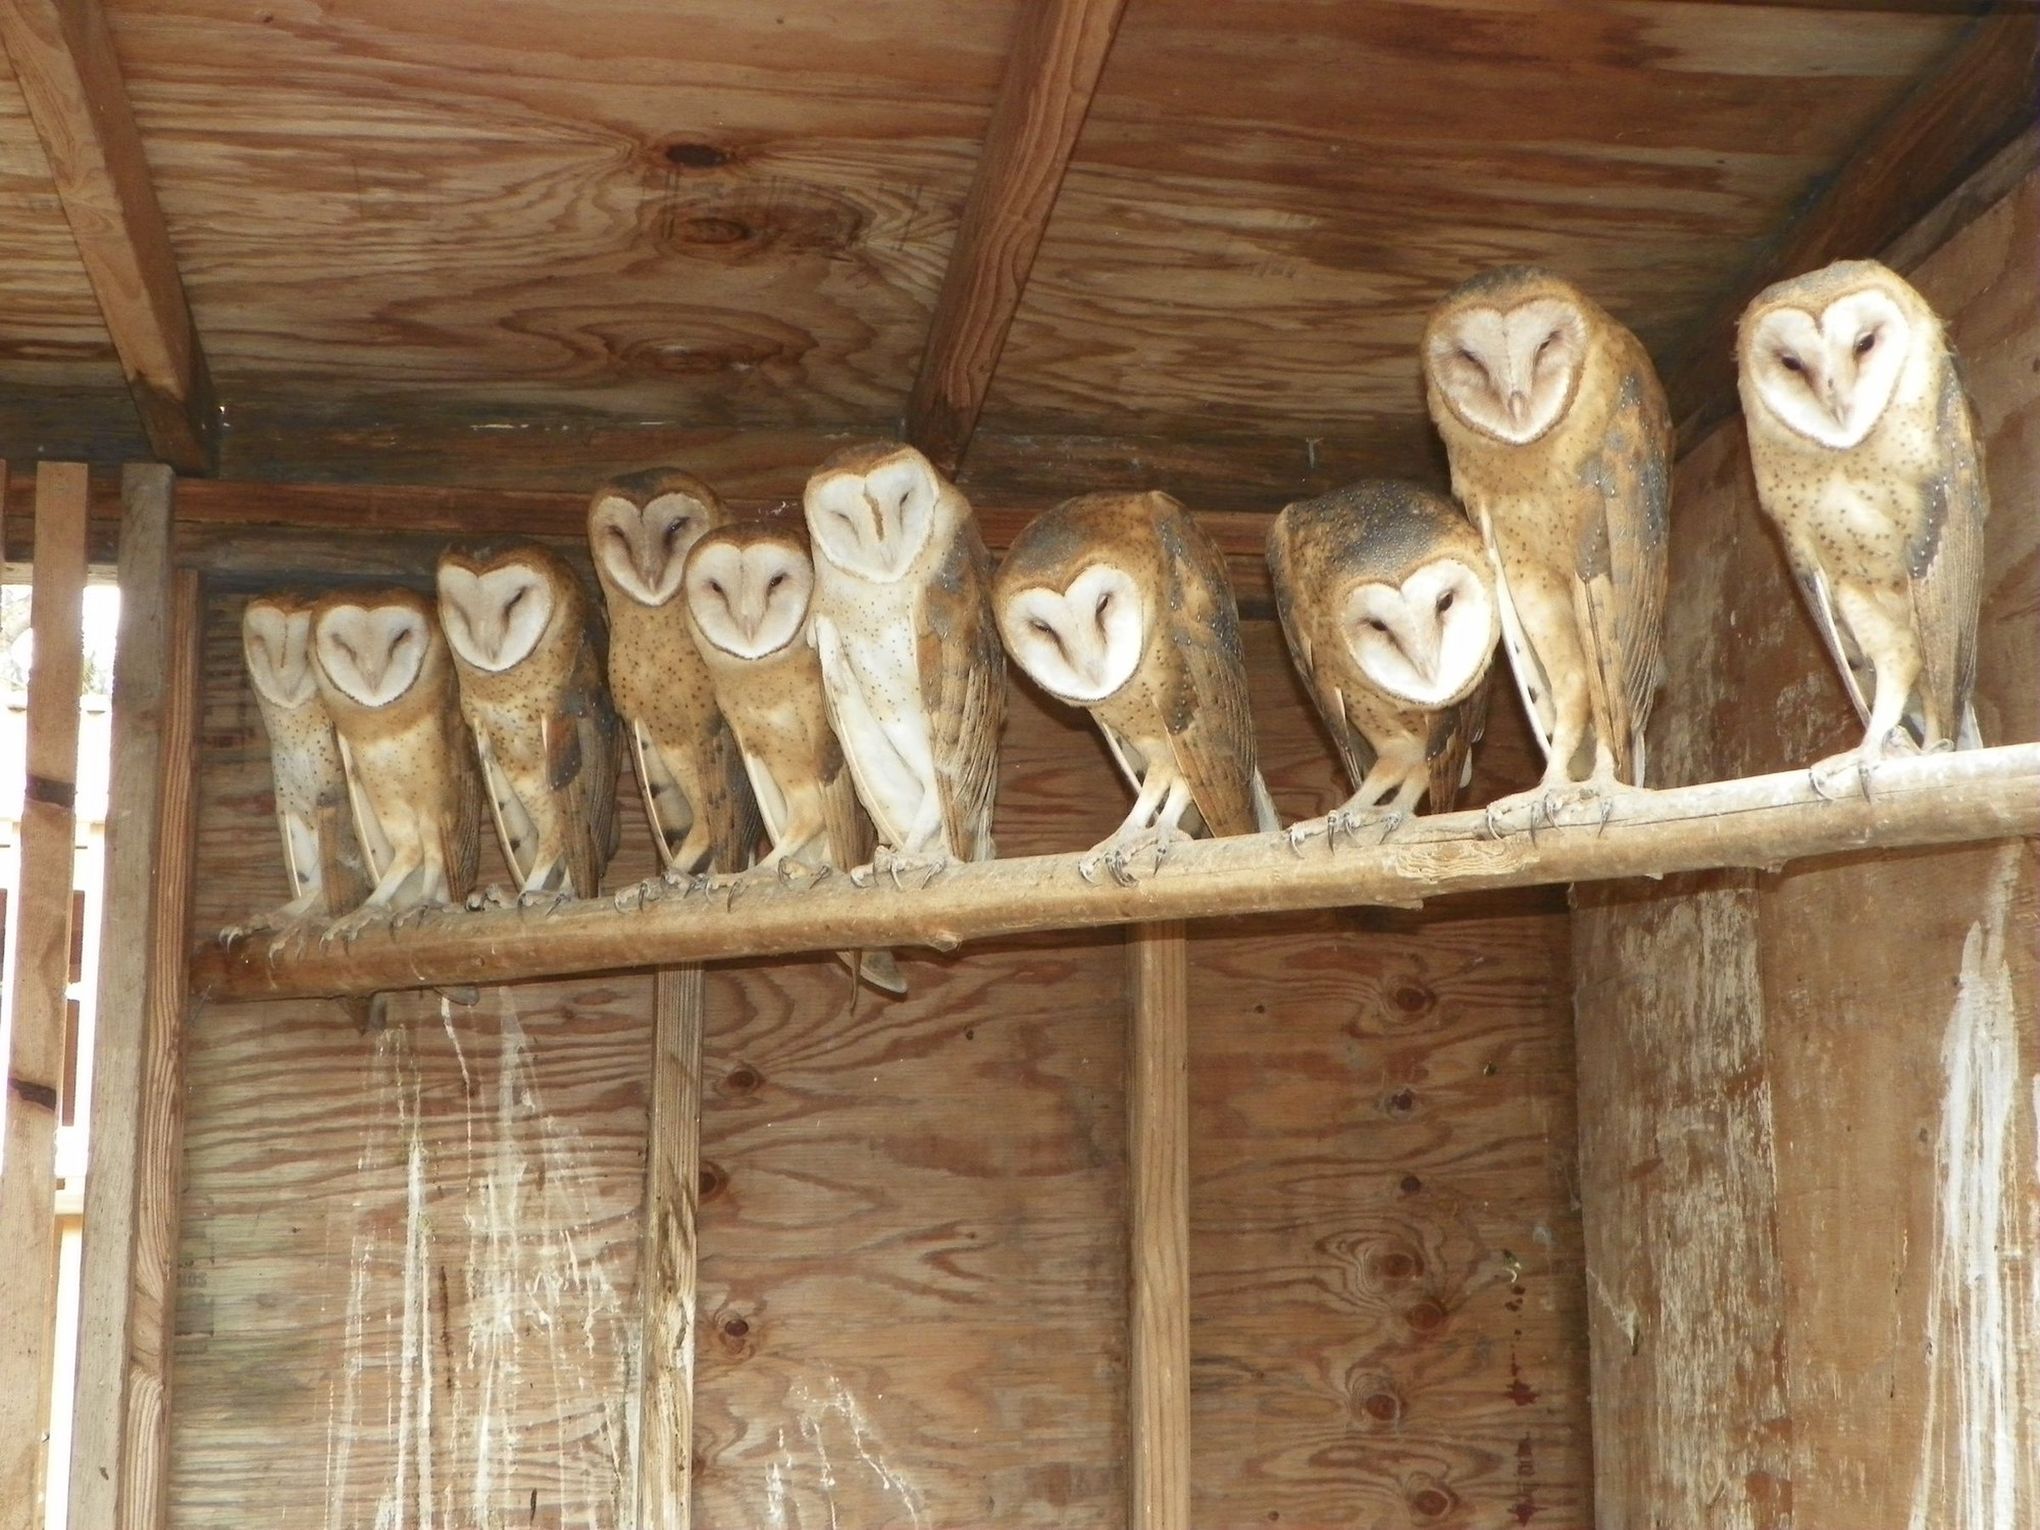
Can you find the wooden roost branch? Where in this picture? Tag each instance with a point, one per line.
(1762, 821)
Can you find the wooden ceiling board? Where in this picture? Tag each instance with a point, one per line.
(1269, 196)
(708, 214)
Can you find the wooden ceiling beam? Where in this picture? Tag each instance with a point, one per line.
(1050, 78)
(1954, 120)
(63, 56)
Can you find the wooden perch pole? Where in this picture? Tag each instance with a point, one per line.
(1763, 821)
(1158, 1175)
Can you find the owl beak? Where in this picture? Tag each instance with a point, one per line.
(1519, 403)
(1837, 407)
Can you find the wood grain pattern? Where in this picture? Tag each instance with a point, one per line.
(1052, 69)
(670, 1259)
(1837, 1107)
(41, 938)
(1956, 117)
(130, 1252)
(1158, 1187)
(63, 58)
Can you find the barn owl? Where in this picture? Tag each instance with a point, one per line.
(640, 530)
(1388, 603)
(1119, 603)
(386, 678)
(747, 590)
(527, 652)
(320, 852)
(1867, 460)
(911, 663)
(1560, 441)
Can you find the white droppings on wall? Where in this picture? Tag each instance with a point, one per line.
(478, 1313)
(835, 1440)
(1980, 1458)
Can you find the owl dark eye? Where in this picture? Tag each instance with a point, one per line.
(673, 531)
(774, 583)
(1791, 363)
(716, 585)
(1864, 343)
(1445, 602)
(1104, 601)
(1042, 627)
(1377, 624)
(1468, 357)
(1548, 342)
(511, 604)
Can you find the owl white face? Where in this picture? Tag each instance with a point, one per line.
(1829, 377)
(874, 524)
(277, 643)
(1082, 642)
(1509, 373)
(1426, 641)
(643, 549)
(371, 655)
(751, 599)
(494, 619)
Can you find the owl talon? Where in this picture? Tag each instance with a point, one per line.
(802, 877)
(1518, 813)
(1827, 773)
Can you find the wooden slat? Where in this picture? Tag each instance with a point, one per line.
(1762, 821)
(119, 1441)
(42, 961)
(1953, 121)
(667, 1268)
(1158, 1176)
(63, 56)
(1050, 77)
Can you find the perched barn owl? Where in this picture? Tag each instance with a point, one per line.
(911, 663)
(527, 651)
(1866, 457)
(386, 678)
(1387, 599)
(747, 588)
(327, 876)
(1119, 603)
(640, 530)
(1559, 439)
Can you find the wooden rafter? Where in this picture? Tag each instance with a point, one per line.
(1762, 821)
(1050, 78)
(1158, 1192)
(63, 56)
(1953, 121)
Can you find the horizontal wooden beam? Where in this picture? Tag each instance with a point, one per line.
(1952, 122)
(1763, 821)
(1051, 75)
(70, 77)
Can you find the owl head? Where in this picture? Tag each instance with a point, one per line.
(498, 604)
(872, 510)
(1823, 354)
(1504, 352)
(747, 587)
(642, 526)
(1407, 583)
(276, 642)
(1071, 594)
(372, 648)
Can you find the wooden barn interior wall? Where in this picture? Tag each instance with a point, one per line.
(410, 1258)
(1807, 1105)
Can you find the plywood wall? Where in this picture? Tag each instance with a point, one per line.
(408, 1285)
(1807, 1107)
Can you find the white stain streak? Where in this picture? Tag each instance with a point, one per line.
(437, 1390)
(1980, 1458)
(831, 1410)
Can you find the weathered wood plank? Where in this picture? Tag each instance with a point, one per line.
(41, 968)
(63, 56)
(1761, 821)
(1051, 75)
(1158, 1180)
(1984, 92)
(137, 1096)
(1837, 1101)
(669, 1261)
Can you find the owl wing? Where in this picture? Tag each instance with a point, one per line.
(582, 735)
(1619, 581)
(1354, 752)
(1449, 749)
(963, 691)
(461, 828)
(1211, 728)
(368, 829)
(517, 851)
(1946, 562)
